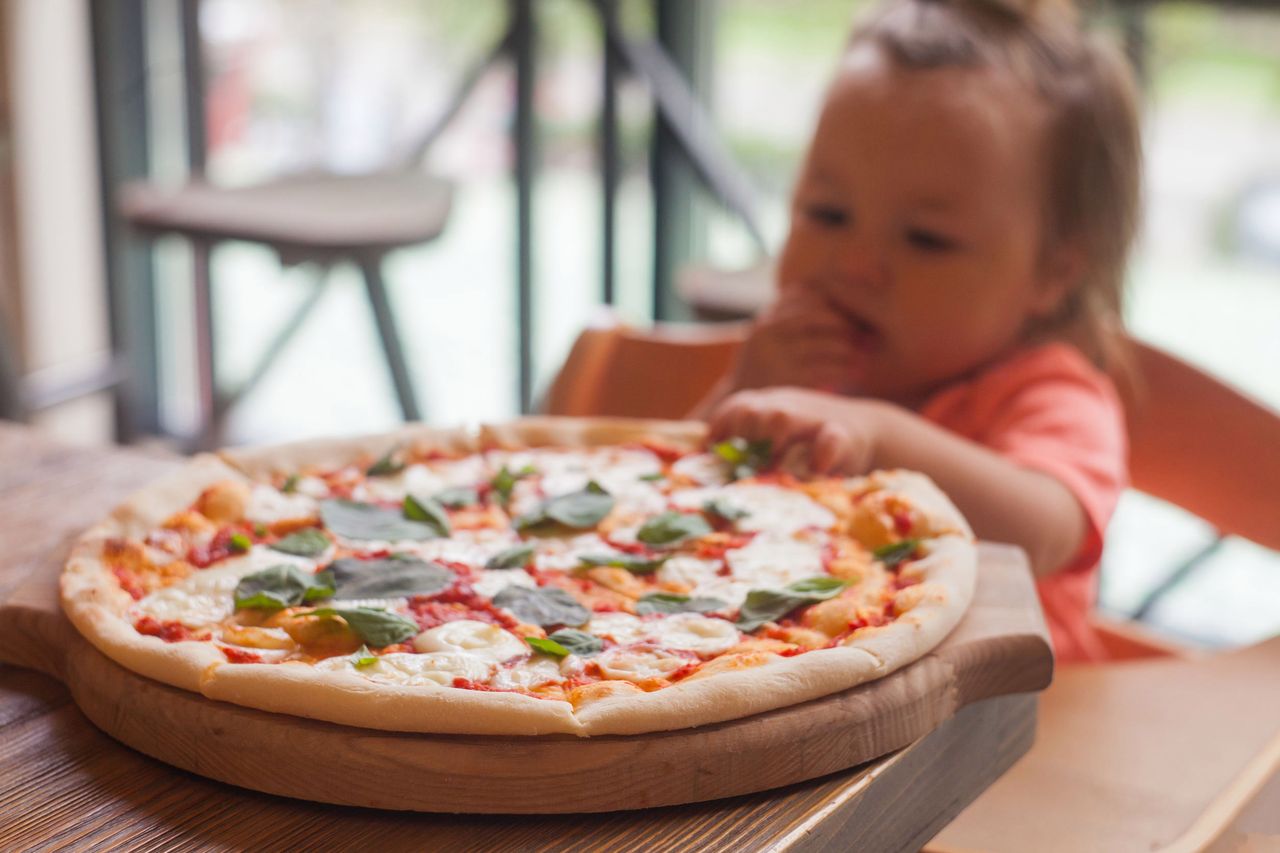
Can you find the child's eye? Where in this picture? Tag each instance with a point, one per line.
(930, 241)
(827, 214)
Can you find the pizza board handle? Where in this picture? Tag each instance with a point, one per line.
(33, 632)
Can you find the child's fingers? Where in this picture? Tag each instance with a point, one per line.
(830, 448)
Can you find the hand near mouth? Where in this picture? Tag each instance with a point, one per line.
(800, 341)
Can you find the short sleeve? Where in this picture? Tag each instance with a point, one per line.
(1049, 410)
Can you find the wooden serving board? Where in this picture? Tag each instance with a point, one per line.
(999, 648)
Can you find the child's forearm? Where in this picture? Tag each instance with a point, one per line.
(1002, 501)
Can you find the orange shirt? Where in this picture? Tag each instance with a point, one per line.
(1048, 408)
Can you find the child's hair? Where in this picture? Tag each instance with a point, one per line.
(1095, 157)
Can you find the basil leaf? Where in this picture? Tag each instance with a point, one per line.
(363, 658)
(387, 577)
(578, 510)
(542, 606)
(389, 464)
(516, 557)
(721, 508)
(376, 628)
(290, 484)
(578, 642)
(770, 605)
(631, 562)
(505, 480)
(745, 458)
(260, 530)
(898, 552)
(668, 602)
(671, 528)
(458, 497)
(429, 512)
(303, 543)
(240, 543)
(653, 477)
(277, 587)
(547, 646)
(355, 520)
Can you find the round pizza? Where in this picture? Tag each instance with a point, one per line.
(553, 575)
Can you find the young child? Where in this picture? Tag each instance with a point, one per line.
(949, 291)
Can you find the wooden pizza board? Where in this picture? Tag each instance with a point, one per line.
(1000, 648)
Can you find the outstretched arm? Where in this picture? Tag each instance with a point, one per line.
(1001, 500)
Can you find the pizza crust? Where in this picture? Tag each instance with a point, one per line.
(929, 610)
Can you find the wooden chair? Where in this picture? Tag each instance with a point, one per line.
(1153, 751)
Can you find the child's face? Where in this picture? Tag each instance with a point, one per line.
(917, 219)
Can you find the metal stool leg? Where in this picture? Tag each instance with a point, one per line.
(206, 376)
(381, 306)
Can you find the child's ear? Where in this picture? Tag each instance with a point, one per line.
(1061, 271)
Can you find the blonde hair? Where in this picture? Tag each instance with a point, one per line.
(1095, 153)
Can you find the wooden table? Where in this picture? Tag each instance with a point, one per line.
(63, 784)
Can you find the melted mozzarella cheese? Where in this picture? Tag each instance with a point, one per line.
(622, 628)
(566, 554)
(638, 664)
(689, 571)
(527, 674)
(403, 668)
(425, 479)
(493, 581)
(774, 561)
(268, 505)
(704, 468)
(770, 509)
(617, 470)
(471, 637)
(693, 632)
(312, 487)
(206, 596)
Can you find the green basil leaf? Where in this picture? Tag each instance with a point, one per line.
(390, 463)
(547, 646)
(310, 542)
(376, 628)
(721, 508)
(578, 510)
(653, 477)
(770, 605)
(458, 497)
(542, 606)
(240, 543)
(355, 520)
(671, 528)
(290, 484)
(897, 552)
(429, 512)
(668, 602)
(578, 642)
(260, 530)
(363, 658)
(516, 557)
(387, 577)
(631, 562)
(277, 587)
(745, 458)
(505, 480)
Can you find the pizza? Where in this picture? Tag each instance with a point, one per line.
(575, 576)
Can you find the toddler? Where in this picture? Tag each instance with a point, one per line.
(948, 295)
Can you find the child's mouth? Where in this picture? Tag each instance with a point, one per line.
(866, 336)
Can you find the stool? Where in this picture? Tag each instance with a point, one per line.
(322, 217)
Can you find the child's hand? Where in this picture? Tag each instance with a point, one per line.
(798, 341)
(840, 434)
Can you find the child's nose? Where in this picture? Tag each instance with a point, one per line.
(860, 264)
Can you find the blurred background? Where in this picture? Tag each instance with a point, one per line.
(532, 197)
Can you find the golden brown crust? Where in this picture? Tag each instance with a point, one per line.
(750, 679)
